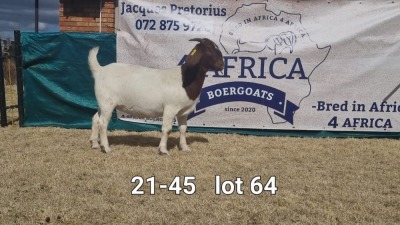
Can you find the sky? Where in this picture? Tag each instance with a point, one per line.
(20, 15)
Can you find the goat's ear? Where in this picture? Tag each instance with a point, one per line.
(194, 57)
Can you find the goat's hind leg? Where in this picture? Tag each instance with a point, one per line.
(94, 137)
(104, 119)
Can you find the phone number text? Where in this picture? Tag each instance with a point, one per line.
(172, 25)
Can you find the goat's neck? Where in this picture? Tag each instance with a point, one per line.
(193, 80)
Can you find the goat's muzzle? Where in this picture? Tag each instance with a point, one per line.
(219, 66)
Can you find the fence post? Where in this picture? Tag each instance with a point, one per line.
(20, 84)
(3, 107)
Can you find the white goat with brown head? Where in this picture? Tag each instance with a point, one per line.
(148, 92)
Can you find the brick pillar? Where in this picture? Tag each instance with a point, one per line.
(84, 16)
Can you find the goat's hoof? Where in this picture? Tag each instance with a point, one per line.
(95, 144)
(185, 148)
(106, 149)
(163, 151)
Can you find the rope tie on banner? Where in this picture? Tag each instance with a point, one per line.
(391, 93)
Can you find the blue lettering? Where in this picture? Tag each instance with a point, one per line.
(297, 63)
(262, 67)
(243, 67)
(247, 65)
(271, 68)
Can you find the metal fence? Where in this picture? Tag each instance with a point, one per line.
(11, 86)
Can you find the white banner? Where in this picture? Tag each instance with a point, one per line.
(303, 65)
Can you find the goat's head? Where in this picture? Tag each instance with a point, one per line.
(205, 54)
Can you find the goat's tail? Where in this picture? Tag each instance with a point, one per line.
(93, 63)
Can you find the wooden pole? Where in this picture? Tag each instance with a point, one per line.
(36, 16)
(20, 85)
(3, 109)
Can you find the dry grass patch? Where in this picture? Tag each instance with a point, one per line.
(50, 175)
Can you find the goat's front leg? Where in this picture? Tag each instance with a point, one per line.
(168, 117)
(182, 122)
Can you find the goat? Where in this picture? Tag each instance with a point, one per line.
(149, 92)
